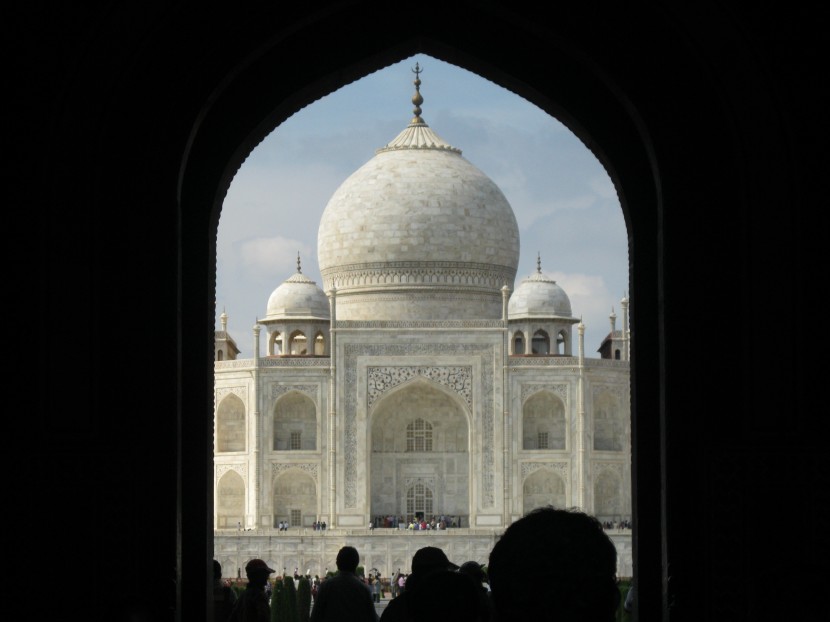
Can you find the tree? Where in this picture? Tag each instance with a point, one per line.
(277, 602)
(290, 600)
(304, 600)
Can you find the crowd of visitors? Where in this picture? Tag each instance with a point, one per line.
(567, 551)
(416, 523)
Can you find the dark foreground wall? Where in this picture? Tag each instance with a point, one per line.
(134, 119)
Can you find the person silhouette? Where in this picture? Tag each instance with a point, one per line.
(253, 605)
(569, 555)
(224, 598)
(436, 592)
(344, 596)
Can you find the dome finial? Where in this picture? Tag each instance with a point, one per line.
(417, 100)
(538, 262)
(299, 267)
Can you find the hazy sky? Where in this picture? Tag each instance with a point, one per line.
(564, 201)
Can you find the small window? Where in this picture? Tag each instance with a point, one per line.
(296, 518)
(295, 441)
(542, 441)
(419, 436)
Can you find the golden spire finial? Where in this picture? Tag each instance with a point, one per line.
(538, 262)
(417, 99)
(299, 267)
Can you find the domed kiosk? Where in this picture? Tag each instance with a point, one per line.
(297, 318)
(413, 388)
(539, 314)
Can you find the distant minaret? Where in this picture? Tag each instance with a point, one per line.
(625, 332)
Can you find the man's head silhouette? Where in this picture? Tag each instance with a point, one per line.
(569, 559)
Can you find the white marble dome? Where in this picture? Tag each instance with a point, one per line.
(538, 296)
(418, 233)
(298, 298)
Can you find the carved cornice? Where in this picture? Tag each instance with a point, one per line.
(601, 467)
(457, 378)
(240, 392)
(543, 361)
(429, 482)
(296, 361)
(557, 389)
(311, 390)
(240, 468)
(419, 324)
(417, 273)
(309, 468)
(560, 468)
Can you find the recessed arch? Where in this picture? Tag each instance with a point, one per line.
(230, 501)
(230, 424)
(294, 422)
(419, 434)
(294, 498)
(544, 425)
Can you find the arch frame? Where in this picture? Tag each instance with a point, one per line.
(582, 96)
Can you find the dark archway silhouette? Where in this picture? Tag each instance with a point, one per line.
(136, 120)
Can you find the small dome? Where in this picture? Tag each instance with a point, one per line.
(298, 298)
(538, 296)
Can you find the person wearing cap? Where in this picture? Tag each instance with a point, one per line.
(253, 605)
(436, 591)
(344, 597)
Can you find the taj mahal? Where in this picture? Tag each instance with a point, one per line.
(420, 379)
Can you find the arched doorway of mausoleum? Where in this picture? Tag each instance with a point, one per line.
(295, 498)
(420, 454)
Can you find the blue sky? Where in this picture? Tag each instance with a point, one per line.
(564, 201)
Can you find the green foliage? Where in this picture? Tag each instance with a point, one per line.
(277, 600)
(290, 607)
(304, 600)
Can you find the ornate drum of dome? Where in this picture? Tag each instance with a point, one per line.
(418, 233)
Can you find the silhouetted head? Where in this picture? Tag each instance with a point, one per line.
(568, 556)
(474, 570)
(217, 570)
(347, 559)
(430, 559)
(258, 572)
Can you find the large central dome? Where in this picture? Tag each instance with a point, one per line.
(418, 233)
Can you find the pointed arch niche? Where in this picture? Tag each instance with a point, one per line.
(420, 436)
(230, 501)
(295, 423)
(230, 424)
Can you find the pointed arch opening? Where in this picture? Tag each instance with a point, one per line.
(230, 425)
(419, 433)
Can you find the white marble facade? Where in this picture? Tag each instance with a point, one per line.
(417, 382)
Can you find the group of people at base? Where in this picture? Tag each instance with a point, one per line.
(573, 559)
